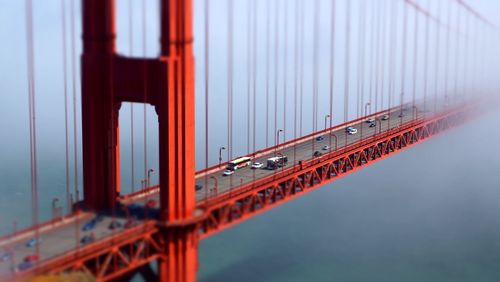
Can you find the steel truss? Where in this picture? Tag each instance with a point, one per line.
(237, 206)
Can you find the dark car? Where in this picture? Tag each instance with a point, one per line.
(25, 265)
(317, 154)
(33, 242)
(372, 124)
(198, 187)
(320, 138)
(89, 225)
(114, 225)
(87, 239)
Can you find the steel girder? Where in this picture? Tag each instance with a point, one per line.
(257, 197)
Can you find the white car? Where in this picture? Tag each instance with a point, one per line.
(352, 131)
(349, 129)
(370, 120)
(228, 172)
(256, 165)
(385, 117)
(326, 147)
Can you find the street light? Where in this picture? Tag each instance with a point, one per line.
(149, 177)
(333, 134)
(220, 154)
(278, 137)
(366, 106)
(326, 118)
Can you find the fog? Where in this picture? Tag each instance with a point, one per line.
(437, 197)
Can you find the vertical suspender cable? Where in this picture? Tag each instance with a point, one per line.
(249, 69)
(254, 67)
(315, 66)
(276, 47)
(75, 137)
(436, 58)
(332, 65)
(346, 66)
(301, 65)
(73, 74)
(426, 59)
(466, 55)
(268, 39)
(131, 51)
(285, 66)
(447, 53)
(415, 64)
(230, 71)
(295, 76)
(383, 62)
(378, 63)
(372, 48)
(457, 54)
(403, 60)
(392, 55)
(32, 117)
(65, 85)
(145, 92)
(207, 80)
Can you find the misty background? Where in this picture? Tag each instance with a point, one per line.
(427, 214)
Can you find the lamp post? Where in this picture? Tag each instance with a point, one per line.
(278, 138)
(369, 104)
(326, 119)
(220, 154)
(149, 177)
(366, 107)
(335, 136)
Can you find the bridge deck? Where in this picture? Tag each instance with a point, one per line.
(60, 237)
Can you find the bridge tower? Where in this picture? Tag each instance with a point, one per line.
(167, 83)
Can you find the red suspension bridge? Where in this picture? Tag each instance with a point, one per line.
(312, 91)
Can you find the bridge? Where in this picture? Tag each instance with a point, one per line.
(417, 75)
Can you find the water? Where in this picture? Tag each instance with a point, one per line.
(430, 213)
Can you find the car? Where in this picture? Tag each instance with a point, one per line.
(24, 265)
(401, 115)
(372, 124)
(33, 242)
(370, 120)
(89, 225)
(317, 154)
(228, 172)
(353, 131)
(349, 129)
(5, 256)
(385, 117)
(87, 239)
(114, 225)
(320, 138)
(151, 203)
(326, 147)
(198, 187)
(256, 165)
(31, 258)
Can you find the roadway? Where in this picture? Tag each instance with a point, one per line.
(61, 238)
